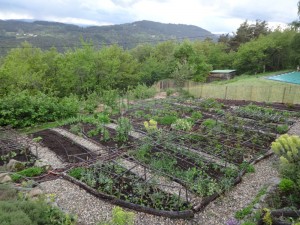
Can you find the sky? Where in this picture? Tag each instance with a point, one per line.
(217, 16)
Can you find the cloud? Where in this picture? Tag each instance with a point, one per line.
(214, 15)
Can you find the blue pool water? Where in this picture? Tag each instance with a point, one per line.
(292, 77)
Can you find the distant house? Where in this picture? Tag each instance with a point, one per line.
(221, 75)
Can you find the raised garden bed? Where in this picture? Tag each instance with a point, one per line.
(63, 147)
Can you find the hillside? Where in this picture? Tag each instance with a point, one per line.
(47, 34)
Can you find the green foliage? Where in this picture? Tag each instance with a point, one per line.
(182, 124)
(196, 116)
(209, 123)
(29, 172)
(141, 91)
(288, 148)
(282, 129)
(166, 120)
(103, 118)
(76, 172)
(121, 217)
(29, 212)
(109, 97)
(241, 214)
(23, 109)
(170, 91)
(123, 129)
(286, 185)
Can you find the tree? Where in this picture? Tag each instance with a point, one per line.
(247, 32)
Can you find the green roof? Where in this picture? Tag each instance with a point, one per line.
(222, 71)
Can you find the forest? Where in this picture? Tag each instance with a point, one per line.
(28, 73)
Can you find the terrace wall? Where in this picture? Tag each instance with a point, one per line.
(280, 94)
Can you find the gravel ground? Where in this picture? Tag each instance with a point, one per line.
(295, 129)
(81, 141)
(91, 210)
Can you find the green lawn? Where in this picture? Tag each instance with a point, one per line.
(256, 80)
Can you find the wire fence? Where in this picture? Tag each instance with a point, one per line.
(282, 94)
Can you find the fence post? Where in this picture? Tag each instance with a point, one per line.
(284, 90)
(226, 92)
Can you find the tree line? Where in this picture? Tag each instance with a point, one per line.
(87, 69)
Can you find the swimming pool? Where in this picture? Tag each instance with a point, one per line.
(292, 77)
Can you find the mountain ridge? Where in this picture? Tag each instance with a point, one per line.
(48, 33)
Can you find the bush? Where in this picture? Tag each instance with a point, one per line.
(23, 109)
(29, 172)
(141, 91)
(182, 124)
(282, 129)
(286, 185)
(123, 129)
(197, 116)
(166, 120)
(120, 217)
(209, 123)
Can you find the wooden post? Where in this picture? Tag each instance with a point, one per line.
(284, 90)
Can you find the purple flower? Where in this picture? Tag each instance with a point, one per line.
(232, 221)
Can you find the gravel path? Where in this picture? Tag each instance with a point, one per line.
(91, 209)
(81, 141)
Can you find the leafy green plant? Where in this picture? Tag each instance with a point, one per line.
(23, 109)
(166, 120)
(170, 91)
(288, 148)
(209, 123)
(286, 185)
(76, 172)
(123, 129)
(282, 129)
(182, 124)
(29, 172)
(196, 116)
(76, 129)
(150, 126)
(102, 118)
(141, 91)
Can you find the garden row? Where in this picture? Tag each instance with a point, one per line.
(168, 157)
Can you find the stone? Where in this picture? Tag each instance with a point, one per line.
(5, 178)
(35, 192)
(14, 165)
(257, 206)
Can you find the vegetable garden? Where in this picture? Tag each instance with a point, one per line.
(168, 157)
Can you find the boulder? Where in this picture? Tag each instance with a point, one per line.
(5, 178)
(14, 165)
(35, 192)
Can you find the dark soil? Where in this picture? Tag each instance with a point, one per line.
(23, 155)
(63, 147)
(280, 106)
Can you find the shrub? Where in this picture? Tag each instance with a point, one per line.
(182, 124)
(120, 217)
(287, 147)
(197, 116)
(29, 172)
(22, 109)
(170, 91)
(150, 126)
(209, 123)
(103, 118)
(166, 120)
(109, 98)
(76, 172)
(123, 129)
(286, 185)
(141, 91)
(282, 129)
